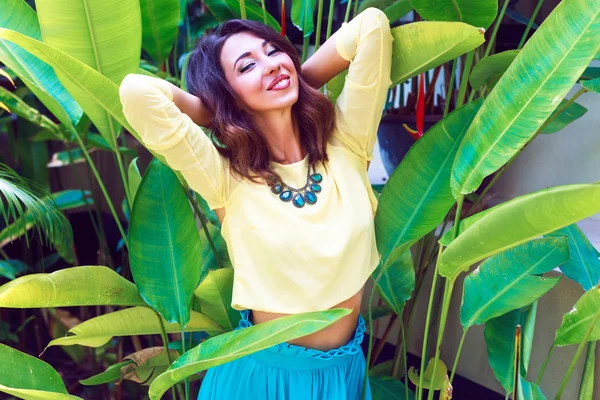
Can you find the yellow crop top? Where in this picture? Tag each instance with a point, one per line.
(287, 259)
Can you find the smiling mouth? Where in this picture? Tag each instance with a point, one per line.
(283, 84)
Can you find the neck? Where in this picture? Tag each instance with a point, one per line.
(281, 131)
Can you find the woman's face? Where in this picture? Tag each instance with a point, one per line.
(250, 65)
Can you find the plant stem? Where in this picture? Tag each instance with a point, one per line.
(426, 333)
(405, 359)
(165, 339)
(496, 26)
(445, 307)
(117, 154)
(348, 10)
(319, 19)
(243, 9)
(563, 385)
(102, 188)
(462, 341)
(202, 218)
(329, 19)
(530, 23)
(3, 253)
(543, 368)
(262, 3)
(450, 87)
(465, 78)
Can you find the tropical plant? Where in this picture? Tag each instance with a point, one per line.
(182, 276)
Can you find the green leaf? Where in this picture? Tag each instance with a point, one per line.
(435, 383)
(11, 268)
(239, 343)
(164, 244)
(224, 10)
(421, 46)
(508, 280)
(76, 286)
(388, 388)
(530, 391)
(584, 265)
(39, 77)
(517, 221)
(214, 296)
(111, 374)
(474, 12)
(28, 205)
(489, 70)
(148, 364)
(397, 282)
(586, 389)
(499, 336)
(128, 322)
(531, 88)
(303, 16)
(417, 196)
(27, 377)
(134, 177)
(592, 85)
(573, 112)
(582, 323)
(113, 49)
(159, 27)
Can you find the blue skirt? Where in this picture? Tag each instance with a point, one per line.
(290, 372)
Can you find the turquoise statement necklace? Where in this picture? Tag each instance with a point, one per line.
(303, 195)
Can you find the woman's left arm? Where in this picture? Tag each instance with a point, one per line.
(324, 65)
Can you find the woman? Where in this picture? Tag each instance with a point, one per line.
(288, 181)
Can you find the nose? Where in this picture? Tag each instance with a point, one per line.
(271, 66)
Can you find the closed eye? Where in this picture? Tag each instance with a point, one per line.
(245, 68)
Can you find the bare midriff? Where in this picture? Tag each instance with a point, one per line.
(335, 335)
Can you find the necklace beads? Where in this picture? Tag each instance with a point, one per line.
(300, 196)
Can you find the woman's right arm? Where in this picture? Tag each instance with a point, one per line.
(167, 120)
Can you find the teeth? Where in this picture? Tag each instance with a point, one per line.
(281, 83)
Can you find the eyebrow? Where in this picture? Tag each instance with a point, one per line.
(246, 54)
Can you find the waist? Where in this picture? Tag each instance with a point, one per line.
(333, 336)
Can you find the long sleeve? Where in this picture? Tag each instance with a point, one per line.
(365, 41)
(149, 108)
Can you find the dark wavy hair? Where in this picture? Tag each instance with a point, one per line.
(239, 139)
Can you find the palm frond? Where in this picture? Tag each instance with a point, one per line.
(25, 205)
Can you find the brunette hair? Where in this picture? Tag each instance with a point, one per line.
(239, 139)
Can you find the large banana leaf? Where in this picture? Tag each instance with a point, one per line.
(303, 16)
(238, 343)
(474, 12)
(531, 88)
(213, 297)
(582, 323)
(421, 46)
(97, 331)
(164, 244)
(417, 196)
(39, 77)
(208, 260)
(517, 221)
(584, 265)
(93, 88)
(396, 284)
(508, 280)
(27, 377)
(499, 336)
(105, 35)
(76, 286)
(159, 27)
